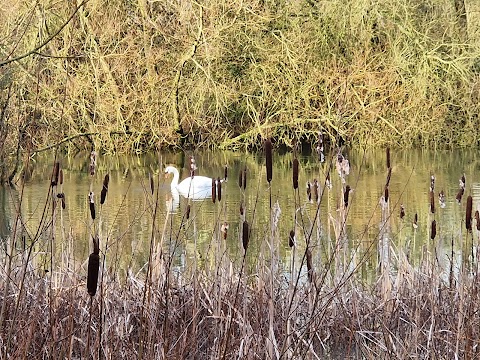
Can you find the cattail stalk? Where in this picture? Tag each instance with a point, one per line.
(309, 266)
(432, 202)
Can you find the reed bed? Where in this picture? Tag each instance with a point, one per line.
(237, 309)
(130, 77)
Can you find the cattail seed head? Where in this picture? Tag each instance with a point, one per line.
(92, 204)
(219, 189)
(225, 173)
(187, 212)
(55, 173)
(386, 194)
(388, 158)
(103, 194)
(93, 267)
(60, 177)
(214, 191)
(468, 213)
(346, 195)
(63, 203)
(415, 221)
(402, 211)
(268, 159)
(295, 173)
(245, 235)
(241, 209)
(433, 231)
(291, 238)
(477, 218)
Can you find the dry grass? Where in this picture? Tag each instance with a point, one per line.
(231, 309)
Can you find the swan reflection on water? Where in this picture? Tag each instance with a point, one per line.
(173, 198)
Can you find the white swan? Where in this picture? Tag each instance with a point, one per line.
(196, 188)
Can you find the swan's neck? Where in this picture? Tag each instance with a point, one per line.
(176, 176)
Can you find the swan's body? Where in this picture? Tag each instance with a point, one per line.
(196, 187)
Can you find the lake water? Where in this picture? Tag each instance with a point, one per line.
(125, 222)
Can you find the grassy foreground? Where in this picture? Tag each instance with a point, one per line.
(131, 76)
(317, 308)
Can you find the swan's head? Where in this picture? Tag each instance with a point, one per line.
(169, 170)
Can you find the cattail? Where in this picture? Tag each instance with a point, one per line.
(309, 191)
(477, 218)
(225, 173)
(388, 158)
(309, 265)
(214, 190)
(268, 159)
(291, 238)
(187, 212)
(152, 183)
(92, 205)
(385, 194)
(56, 170)
(346, 194)
(432, 182)
(240, 179)
(93, 162)
(93, 267)
(316, 196)
(60, 177)
(63, 203)
(241, 209)
(468, 213)
(295, 173)
(433, 231)
(432, 202)
(245, 235)
(460, 194)
(402, 211)
(415, 221)
(219, 189)
(103, 194)
(224, 230)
